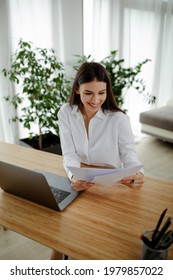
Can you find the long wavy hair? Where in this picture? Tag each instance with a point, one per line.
(88, 72)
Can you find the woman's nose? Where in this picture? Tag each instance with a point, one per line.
(95, 98)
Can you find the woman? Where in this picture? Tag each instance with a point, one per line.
(94, 130)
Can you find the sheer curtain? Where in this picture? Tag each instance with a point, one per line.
(138, 29)
(39, 22)
(8, 130)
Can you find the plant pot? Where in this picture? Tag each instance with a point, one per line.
(50, 142)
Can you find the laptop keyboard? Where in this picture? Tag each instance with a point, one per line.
(59, 195)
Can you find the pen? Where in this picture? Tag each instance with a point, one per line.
(146, 240)
(158, 224)
(161, 232)
(166, 240)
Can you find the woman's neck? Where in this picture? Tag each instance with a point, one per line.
(86, 114)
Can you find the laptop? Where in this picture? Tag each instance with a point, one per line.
(47, 189)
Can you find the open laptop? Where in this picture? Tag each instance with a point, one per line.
(47, 189)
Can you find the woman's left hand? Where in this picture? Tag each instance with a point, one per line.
(135, 181)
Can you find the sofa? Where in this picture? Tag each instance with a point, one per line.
(158, 122)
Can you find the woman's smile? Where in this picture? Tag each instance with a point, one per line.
(92, 95)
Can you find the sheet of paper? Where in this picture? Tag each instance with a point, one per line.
(103, 176)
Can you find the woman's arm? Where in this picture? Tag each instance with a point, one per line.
(128, 155)
(70, 158)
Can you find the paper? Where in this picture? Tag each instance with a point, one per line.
(103, 176)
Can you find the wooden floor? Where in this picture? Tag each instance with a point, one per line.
(157, 157)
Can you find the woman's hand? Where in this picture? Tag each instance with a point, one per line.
(134, 181)
(80, 185)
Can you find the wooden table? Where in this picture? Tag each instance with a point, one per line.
(102, 223)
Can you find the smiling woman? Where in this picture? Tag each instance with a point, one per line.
(94, 130)
(92, 95)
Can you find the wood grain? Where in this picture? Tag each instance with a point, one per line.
(102, 223)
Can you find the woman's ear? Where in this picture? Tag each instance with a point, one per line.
(77, 91)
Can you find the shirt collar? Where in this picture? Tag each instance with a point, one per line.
(100, 114)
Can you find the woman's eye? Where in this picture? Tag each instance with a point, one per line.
(102, 92)
(88, 93)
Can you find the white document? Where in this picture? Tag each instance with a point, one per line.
(103, 176)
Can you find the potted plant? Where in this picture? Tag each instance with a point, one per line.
(124, 78)
(121, 78)
(41, 90)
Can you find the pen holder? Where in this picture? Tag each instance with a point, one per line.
(152, 254)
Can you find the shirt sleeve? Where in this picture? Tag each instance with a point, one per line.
(70, 157)
(127, 147)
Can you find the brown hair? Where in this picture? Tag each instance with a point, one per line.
(88, 72)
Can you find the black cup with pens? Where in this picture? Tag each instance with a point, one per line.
(156, 243)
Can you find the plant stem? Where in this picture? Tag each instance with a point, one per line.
(40, 139)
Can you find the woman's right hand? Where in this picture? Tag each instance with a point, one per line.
(80, 185)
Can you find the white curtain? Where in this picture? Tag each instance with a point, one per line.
(37, 21)
(138, 29)
(7, 130)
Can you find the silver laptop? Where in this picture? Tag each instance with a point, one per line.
(47, 189)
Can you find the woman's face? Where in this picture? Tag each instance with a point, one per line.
(92, 95)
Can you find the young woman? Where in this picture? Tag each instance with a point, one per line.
(94, 130)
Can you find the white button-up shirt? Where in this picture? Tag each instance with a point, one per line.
(109, 141)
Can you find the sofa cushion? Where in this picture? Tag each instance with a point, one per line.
(160, 117)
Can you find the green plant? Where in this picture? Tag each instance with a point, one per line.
(124, 78)
(121, 78)
(81, 59)
(42, 87)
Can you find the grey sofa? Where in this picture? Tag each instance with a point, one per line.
(158, 122)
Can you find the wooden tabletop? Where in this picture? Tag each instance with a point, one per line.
(102, 223)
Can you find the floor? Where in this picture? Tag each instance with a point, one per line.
(157, 157)
(14, 246)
